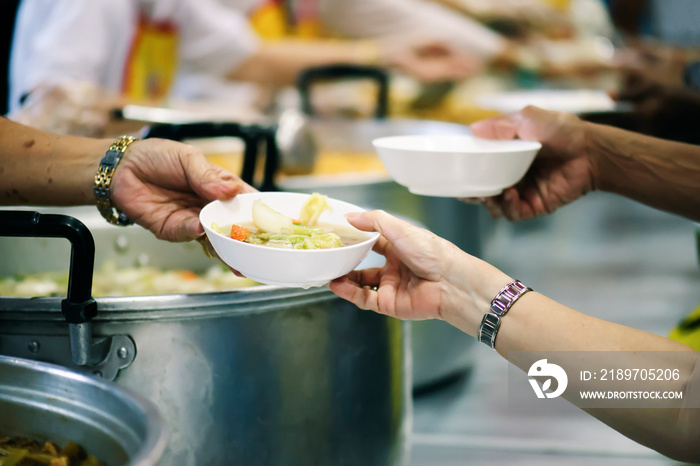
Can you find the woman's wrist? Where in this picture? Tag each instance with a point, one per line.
(470, 286)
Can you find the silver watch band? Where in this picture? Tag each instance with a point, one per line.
(488, 329)
(504, 300)
(507, 296)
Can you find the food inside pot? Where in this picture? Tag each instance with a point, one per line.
(110, 280)
(23, 451)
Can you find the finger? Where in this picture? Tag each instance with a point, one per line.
(510, 206)
(493, 207)
(236, 272)
(179, 225)
(210, 252)
(387, 225)
(381, 246)
(366, 277)
(362, 297)
(500, 127)
(207, 247)
(209, 180)
(531, 203)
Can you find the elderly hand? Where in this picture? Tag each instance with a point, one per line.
(562, 171)
(424, 277)
(162, 185)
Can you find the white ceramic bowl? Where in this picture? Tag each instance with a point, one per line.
(277, 266)
(454, 165)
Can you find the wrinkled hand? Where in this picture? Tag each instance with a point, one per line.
(431, 61)
(162, 185)
(412, 283)
(561, 172)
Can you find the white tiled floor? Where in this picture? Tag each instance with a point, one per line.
(603, 255)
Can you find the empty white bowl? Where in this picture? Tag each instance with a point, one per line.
(297, 268)
(455, 165)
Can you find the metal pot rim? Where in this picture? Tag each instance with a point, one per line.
(251, 300)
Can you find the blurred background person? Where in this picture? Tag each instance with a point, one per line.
(658, 54)
(72, 60)
(385, 28)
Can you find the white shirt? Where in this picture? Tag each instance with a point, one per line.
(406, 19)
(90, 40)
(396, 20)
(400, 19)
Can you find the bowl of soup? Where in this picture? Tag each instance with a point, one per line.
(286, 239)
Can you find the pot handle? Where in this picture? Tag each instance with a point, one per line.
(272, 159)
(79, 307)
(251, 135)
(310, 76)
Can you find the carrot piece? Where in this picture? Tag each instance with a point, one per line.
(188, 275)
(239, 233)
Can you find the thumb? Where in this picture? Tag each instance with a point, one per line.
(500, 127)
(211, 181)
(387, 225)
(419, 249)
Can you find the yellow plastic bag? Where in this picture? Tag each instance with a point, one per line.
(688, 330)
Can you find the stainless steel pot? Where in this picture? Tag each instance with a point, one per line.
(48, 402)
(262, 376)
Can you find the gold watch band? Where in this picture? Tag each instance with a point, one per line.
(103, 181)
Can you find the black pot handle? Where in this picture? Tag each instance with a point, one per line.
(79, 307)
(310, 76)
(251, 135)
(272, 159)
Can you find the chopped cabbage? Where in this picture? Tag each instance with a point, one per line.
(271, 228)
(313, 208)
(297, 237)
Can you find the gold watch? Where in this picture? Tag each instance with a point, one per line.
(103, 181)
